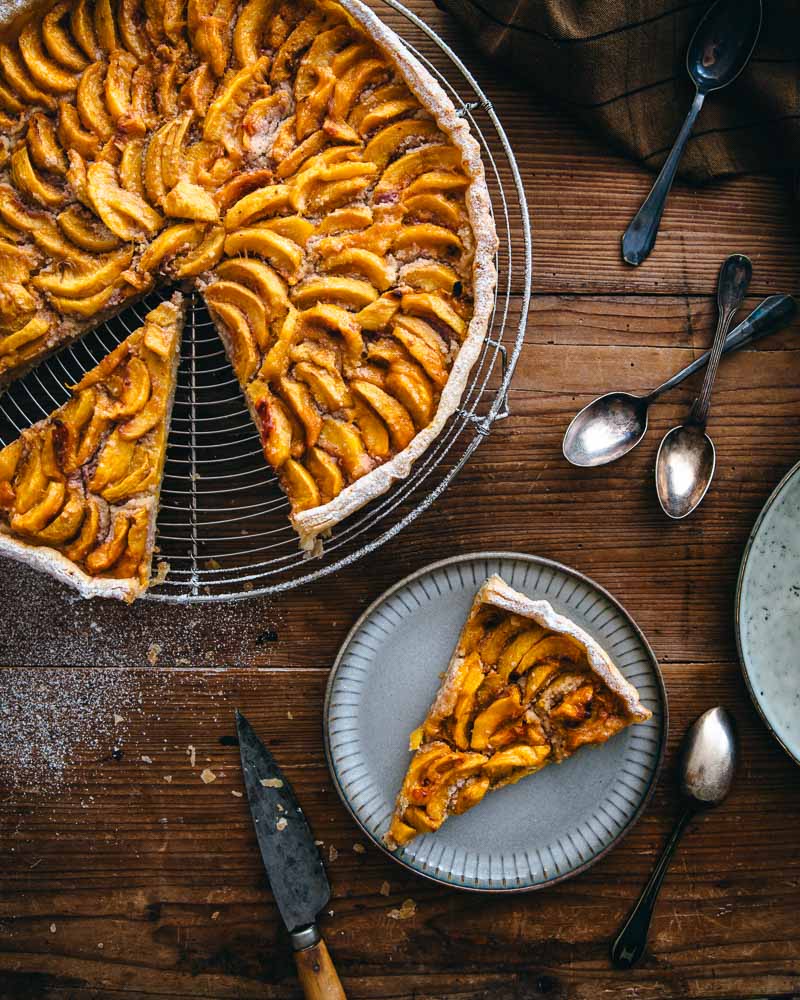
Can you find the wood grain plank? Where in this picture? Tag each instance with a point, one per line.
(167, 877)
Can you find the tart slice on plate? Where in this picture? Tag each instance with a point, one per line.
(525, 688)
(79, 490)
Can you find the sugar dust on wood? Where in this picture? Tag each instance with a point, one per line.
(51, 719)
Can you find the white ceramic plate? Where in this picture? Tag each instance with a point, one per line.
(548, 826)
(768, 613)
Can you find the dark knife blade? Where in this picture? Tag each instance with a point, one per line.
(294, 867)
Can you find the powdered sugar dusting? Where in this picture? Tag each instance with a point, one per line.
(49, 718)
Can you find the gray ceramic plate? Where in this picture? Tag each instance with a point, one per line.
(548, 826)
(768, 613)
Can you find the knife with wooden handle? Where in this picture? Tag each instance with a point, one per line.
(294, 867)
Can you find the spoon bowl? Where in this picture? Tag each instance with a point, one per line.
(684, 469)
(722, 43)
(709, 757)
(606, 429)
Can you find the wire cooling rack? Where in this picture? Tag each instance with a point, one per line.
(223, 524)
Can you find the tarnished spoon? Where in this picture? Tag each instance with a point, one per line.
(708, 764)
(612, 425)
(686, 457)
(719, 50)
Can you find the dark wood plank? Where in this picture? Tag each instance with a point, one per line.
(167, 876)
(99, 845)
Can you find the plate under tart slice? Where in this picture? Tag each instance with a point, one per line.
(525, 688)
(79, 490)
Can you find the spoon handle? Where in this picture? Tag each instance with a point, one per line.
(640, 236)
(629, 945)
(770, 315)
(734, 277)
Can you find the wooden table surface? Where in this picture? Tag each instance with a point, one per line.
(123, 874)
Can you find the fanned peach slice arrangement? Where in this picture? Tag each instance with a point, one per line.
(525, 688)
(295, 164)
(79, 490)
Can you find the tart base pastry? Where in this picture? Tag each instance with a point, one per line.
(79, 490)
(525, 688)
(293, 161)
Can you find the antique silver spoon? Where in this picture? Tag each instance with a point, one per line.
(686, 457)
(719, 50)
(612, 425)
(708, 763)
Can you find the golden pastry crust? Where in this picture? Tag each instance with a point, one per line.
(299, 165)
(79, 490)
(525, 687)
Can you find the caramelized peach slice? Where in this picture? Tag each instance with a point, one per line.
(205, 255)
(433, 208)
(408, 384)
(373, 430)
(380, 313)
(265, 201)
(21, 84)
(355, 260)
(325, 470)
(424, 345)
(43, 146)
(284, 254)
(66, 524)
(343, 441)
(274, 424)
(81, 282)
(28, 182)
(190, 201)
(346, 291)
(407, 168)
(168, 244)
(51, 77)
(109, 552)
(394, 414)
(261, 279)
(35, 329)
(57, 38)
(338, 321)
(125, 214)
(222, 123)
(385, 145)
(72, 135)
(42, 512)
(327, 387)
(246, 301)
(298, 396)
(300, 486)
(243, 348)
(248, 33)
(424, 237)
(431, 276)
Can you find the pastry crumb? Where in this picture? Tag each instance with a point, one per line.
(153, 653)
(236, 794)
(162, 568)
(118, 719)
(282, 823)
(333, 854)
(52, 928)
(213, 564)
(385, 889)
(215, 915)
(168, 778)
(289, 715)
(207, 776)
(271, 782)
(359, 849)
(405, 912)
(146, 759)
(192, 754)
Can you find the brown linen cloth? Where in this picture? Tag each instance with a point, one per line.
(620, 66)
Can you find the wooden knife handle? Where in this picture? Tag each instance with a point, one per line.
(317, 974)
